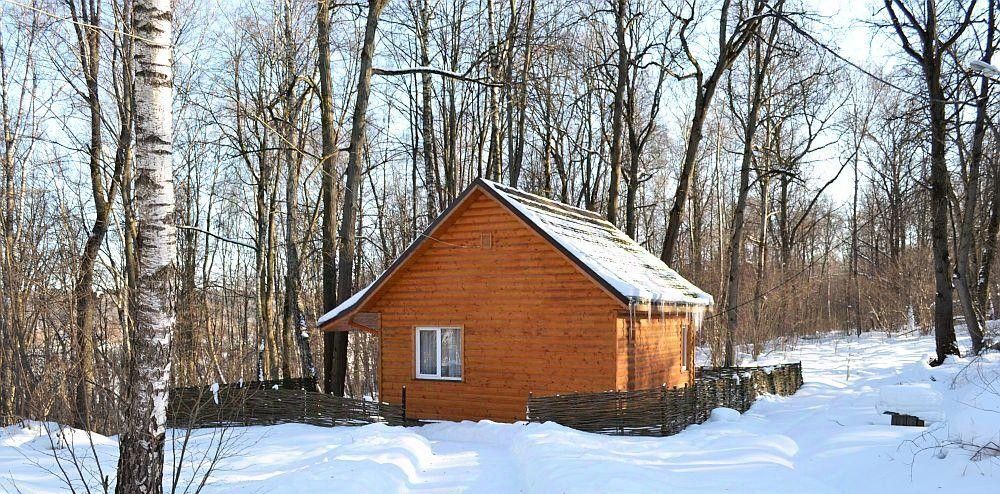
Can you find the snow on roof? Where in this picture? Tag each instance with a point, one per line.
(618, 260)
(347, 304)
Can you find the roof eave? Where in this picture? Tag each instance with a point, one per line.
(407, 253)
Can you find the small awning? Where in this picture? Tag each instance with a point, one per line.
(360, 321)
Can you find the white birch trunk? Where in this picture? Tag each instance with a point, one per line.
(140, 466)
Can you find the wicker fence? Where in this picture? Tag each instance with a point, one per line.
(278, 402)
(665, 411)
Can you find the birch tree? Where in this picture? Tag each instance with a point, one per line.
(140, 462)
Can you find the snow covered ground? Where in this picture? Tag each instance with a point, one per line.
(829, 437)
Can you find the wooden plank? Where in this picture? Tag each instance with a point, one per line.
(533, 321)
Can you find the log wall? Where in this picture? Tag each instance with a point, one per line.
(649, 351)
(533, 322)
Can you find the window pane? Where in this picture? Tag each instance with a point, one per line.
(451, 352)
(428, 352)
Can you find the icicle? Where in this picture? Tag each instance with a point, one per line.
(663, 315)
(631, 318)
(685, 337)
(649, 312)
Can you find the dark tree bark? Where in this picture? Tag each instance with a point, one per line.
(928, 53)
(352, 189)
(521, 106)
(295, 331)
(618, 109)
(88, 45)
(969, 290)
(422, 21)
(329, 184)
(730, 47)
(638, 137)
(762, 55)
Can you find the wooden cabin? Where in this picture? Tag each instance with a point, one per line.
(507, 293)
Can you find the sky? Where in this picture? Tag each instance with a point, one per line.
(853, 36)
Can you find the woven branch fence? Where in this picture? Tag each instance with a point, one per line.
(277, 402)
(666, 411)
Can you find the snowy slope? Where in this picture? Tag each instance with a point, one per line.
(828, 438)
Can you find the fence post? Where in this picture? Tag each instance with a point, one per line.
(404, 406)
(663, 409)
(621, 416)
(747, 392)
(527, 408)
(693, 402)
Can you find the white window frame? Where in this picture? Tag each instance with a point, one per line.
(437, 331)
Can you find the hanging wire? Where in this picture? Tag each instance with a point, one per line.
(446, 242)
(812, 39)
(74, 21)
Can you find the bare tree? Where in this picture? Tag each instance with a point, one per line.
(140, 462)
(730, 45)
(760, 61)
(922, 40)
(329, 186)
(621, 11)
(970, 291)
(349, 218)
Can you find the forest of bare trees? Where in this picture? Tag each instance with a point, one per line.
(807, 186)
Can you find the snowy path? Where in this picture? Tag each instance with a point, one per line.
(828, 438)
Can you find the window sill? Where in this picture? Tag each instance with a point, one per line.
(435, 378)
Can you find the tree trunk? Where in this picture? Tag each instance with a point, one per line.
(684, 180)
(989, 244)
(296, 332)
(88, 44)
(516, 162)
(328, 185)
(349, 219)
(140, 462)
(930, 54)
(971, 302)
(618, 110)
(730, 46)
(422, 20)
(760, 64)
(944, 329)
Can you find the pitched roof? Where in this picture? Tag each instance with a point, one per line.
(609, 253)
(604, 252)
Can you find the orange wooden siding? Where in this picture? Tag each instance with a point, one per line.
(533, 322)
(652, 356)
